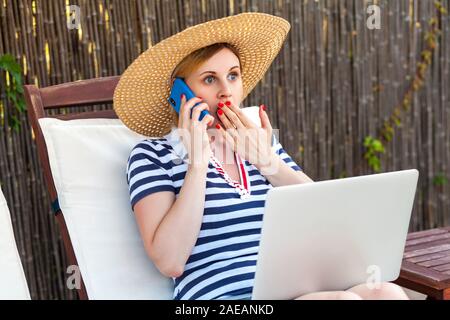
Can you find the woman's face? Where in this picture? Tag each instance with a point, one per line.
(218, 80)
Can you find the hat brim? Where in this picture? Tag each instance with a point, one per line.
(140, 98)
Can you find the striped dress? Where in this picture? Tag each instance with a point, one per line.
(223, 261)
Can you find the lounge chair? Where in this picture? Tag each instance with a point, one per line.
(13, 284)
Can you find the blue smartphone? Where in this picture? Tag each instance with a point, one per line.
(179, 87)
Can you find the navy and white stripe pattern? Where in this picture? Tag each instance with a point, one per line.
(223, 260)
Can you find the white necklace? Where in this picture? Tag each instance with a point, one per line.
(244, 188)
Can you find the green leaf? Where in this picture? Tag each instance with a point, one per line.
(377, 168)
(6, 60)
(367, 141)
(15, 123)
(14, 92)
(440, 180)
(12, 97)
(17, 79)
(21, 105)
(373, 161)
(8, 63)
(378, 146)
(387, 136)
(19, 89)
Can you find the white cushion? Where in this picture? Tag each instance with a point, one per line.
(13, 284)
(88, 159)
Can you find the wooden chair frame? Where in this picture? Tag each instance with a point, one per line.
(71, 94)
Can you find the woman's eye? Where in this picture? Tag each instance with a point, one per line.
(211, 77)
(234, 74)
(208, 77)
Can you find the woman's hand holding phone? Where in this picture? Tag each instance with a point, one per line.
(193, 131)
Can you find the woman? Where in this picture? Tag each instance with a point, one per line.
(198, 192)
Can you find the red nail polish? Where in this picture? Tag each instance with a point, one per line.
(220, 112)
(228, 103)
(200, 98)
(218, 126)
(263, 107)
(220, 105)
(181, 97)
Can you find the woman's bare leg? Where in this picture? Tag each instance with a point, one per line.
(330, 295)
(386, 291)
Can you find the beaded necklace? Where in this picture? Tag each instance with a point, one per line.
(244, 189)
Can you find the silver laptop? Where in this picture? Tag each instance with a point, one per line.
(334, 234)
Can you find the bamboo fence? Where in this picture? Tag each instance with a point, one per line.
(334, 82)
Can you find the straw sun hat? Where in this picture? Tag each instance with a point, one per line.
(140, 98)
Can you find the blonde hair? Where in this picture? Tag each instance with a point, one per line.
(193, 61)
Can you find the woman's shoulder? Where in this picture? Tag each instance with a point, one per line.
(151, 144)
(150, 148)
